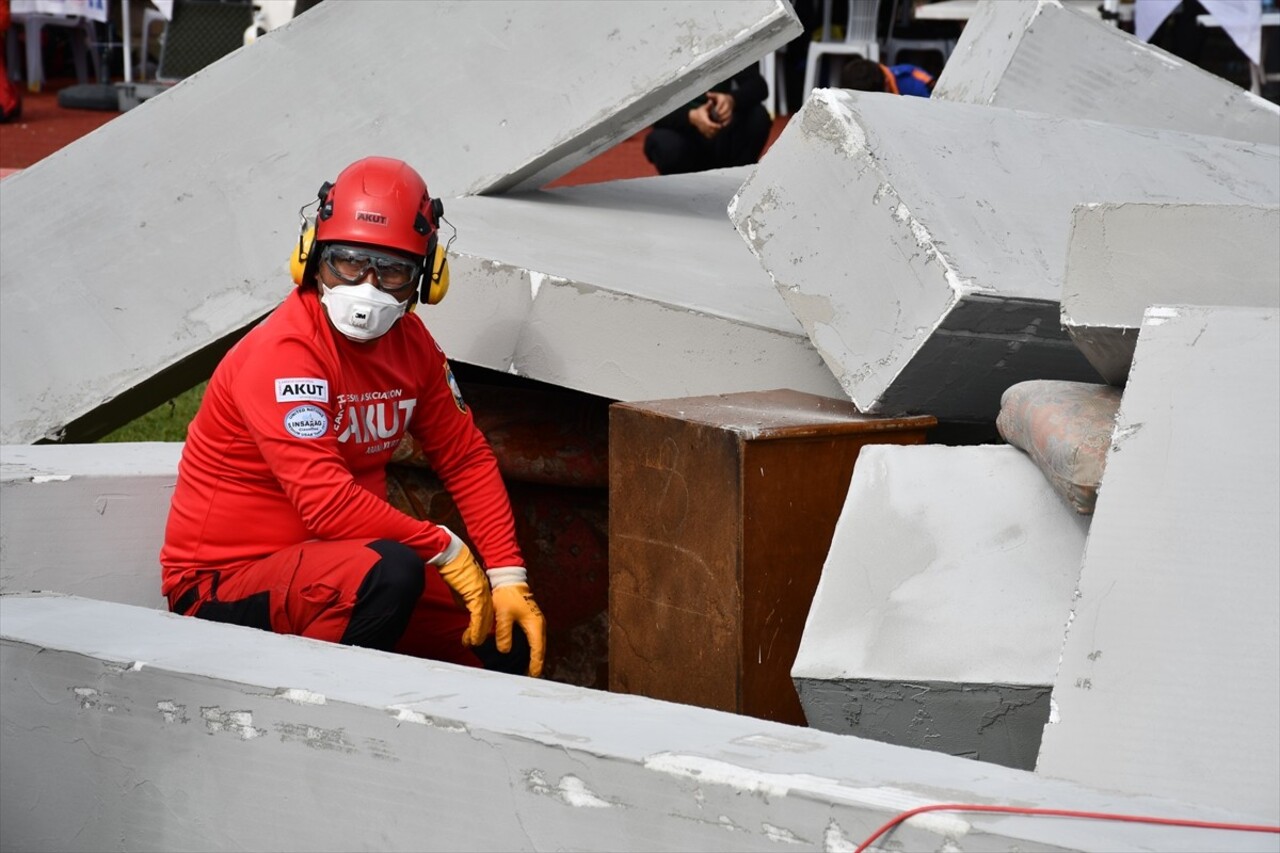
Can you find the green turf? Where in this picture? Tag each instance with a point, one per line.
(166, 422)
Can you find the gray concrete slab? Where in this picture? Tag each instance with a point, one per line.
(939, 618)
(1170, 674)
(1123, 257)
(1044, 56)
(922, 243)
(168, 230)
(86, 519)
(122, 727)
(632, 290)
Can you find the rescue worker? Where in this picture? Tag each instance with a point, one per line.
(280, 518)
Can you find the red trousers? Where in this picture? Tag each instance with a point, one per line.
(311, 590)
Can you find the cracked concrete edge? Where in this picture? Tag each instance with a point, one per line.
(195, 726)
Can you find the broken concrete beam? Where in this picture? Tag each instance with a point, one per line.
(922, 243)
(122, 727)
(940, 629)
(630, 290)
(1123, 257)
(169, 229)
(1171, 666)
(86, 519)
(1043, 56)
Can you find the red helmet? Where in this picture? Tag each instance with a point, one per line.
(382, 202)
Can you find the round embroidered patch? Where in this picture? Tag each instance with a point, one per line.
(306, 422)
(453, 386)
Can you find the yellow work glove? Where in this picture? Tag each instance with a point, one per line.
(464, 576)
(513, 603)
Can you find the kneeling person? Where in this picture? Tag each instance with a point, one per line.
(280, 518)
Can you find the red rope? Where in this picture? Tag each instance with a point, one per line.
(962, 807)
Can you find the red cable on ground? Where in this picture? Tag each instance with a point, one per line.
(1023, 810)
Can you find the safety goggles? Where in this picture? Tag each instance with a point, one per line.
(352, 263)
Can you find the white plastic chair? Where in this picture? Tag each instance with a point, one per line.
(859, 37)
(150, 17)
(82, 38)
(903, 15)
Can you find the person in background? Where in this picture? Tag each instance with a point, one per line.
(866, 75)
(727, 127)
(10, 95)
(280, 520)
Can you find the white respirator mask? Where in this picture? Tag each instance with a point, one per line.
(361, 312)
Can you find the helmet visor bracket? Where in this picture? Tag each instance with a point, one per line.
(350, 264)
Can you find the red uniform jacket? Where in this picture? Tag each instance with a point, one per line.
(293, 436)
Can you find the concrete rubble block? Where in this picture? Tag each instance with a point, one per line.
(1170, 673)
(1043, 56)
(631, 290)
(86, 519)
(122, 727)
(922, 243)
(168, 230)
(938, 620)
(1123, 257)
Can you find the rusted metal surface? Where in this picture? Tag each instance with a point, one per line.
(557, 438)
(551, 447)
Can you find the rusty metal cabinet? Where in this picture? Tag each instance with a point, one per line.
(721, 512)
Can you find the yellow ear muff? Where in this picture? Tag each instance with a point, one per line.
(438, 282)
(302, 251)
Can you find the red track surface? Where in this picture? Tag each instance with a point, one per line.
(45, 127)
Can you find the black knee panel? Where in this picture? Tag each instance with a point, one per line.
(387, 596)
(400, 569)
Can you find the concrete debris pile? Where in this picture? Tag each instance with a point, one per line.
(1056, 204)
(1032, 221)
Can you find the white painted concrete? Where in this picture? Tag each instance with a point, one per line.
(947, 564)
(169, 228)
(938, 620)
(1041, 55)
(1170, 675)
(922, 243)
(1123, 257)
(122, 727)
(86, 519)
(631, 290)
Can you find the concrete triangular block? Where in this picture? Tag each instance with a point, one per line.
(631, 290)
(153, 241)
(938, 620)
(922, 243)
(1180, 586)
(148, 727)
(1045, 56)
(1123, 257)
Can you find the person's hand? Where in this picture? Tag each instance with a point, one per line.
(720, 107)
(703, 122)
(459, 569)
(513, 604)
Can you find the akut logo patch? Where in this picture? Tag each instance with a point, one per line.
(374, 418)
(371, 218)
(295, 388)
